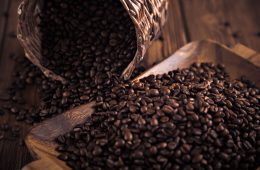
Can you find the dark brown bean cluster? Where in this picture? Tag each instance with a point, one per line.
(194, 118)
(48, 98)
(87, 42)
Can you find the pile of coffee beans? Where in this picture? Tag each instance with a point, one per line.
(194, 118)
(46, 102)
(89, 43)
(52, 97)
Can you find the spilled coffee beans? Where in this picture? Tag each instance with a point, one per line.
(194, 118)
(88, 43)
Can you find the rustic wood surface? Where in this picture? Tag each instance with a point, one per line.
(229, 22)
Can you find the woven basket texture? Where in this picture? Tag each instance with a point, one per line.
(148, 17)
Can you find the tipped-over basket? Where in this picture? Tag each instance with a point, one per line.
(148, 17)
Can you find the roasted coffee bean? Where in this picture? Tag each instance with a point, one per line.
(141, 121)
(154, 121)
(61, 139)
(197, 158)
(144, 109)
(128, 136)
(224, 156)
(63, 157)
(167, 109)
(153, 92)
(132, 109)
(97, 151)
(14, 110)
(164, 119)
(189, 106)
(172, 145)
(119, 143)
(137, 154)
(198, 124)
(173, 103)
(162, 145)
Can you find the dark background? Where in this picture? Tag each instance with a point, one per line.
(227, 21)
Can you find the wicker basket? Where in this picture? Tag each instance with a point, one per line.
(148, 17)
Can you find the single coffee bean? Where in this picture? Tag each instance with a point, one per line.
(66, 94)
(153, 150)
(154, 122)
(97, 151)
(63, 157)
(132, 109)
(141, 121)
(197, 158)
(153, 92)
(137, 154)
(167, 109)
(172, 145)
(144, 109)
(61, 139)
(119, 143)
(128, 136)
(14, 110)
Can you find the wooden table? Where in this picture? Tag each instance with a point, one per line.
(228, 22)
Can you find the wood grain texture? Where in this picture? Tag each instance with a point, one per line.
(188, 20)
(12, 156)
(5, 6)
(244, 20)
(205, 19)
(229, 22)
(173, 36)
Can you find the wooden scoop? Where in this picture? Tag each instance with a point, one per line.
(238, 61)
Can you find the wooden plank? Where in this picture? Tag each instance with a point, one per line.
(173, 36)
(5, 5)
(12, 155)
(228, 22)
(244, 19)
(205, 19)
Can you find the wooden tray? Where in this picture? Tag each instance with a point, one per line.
(238, 61)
